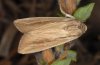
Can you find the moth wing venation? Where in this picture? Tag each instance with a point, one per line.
(36, 41)
(29, 24)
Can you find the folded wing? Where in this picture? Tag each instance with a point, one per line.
(30, 24)
(38, 41)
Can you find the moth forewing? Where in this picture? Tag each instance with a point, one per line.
(56, 31)
(36, 41)
(29, 24)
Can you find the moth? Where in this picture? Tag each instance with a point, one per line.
(41, 33)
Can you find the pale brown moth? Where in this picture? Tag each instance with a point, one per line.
(41, 33)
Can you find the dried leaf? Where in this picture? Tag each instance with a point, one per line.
(67, 6)
(48, 55)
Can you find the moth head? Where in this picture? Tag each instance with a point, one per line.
(75, 29)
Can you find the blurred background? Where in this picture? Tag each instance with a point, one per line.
(88, 48)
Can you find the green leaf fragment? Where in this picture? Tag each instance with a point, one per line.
(78, 2)
(62, 62)
(70, 57)
(83, 13)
